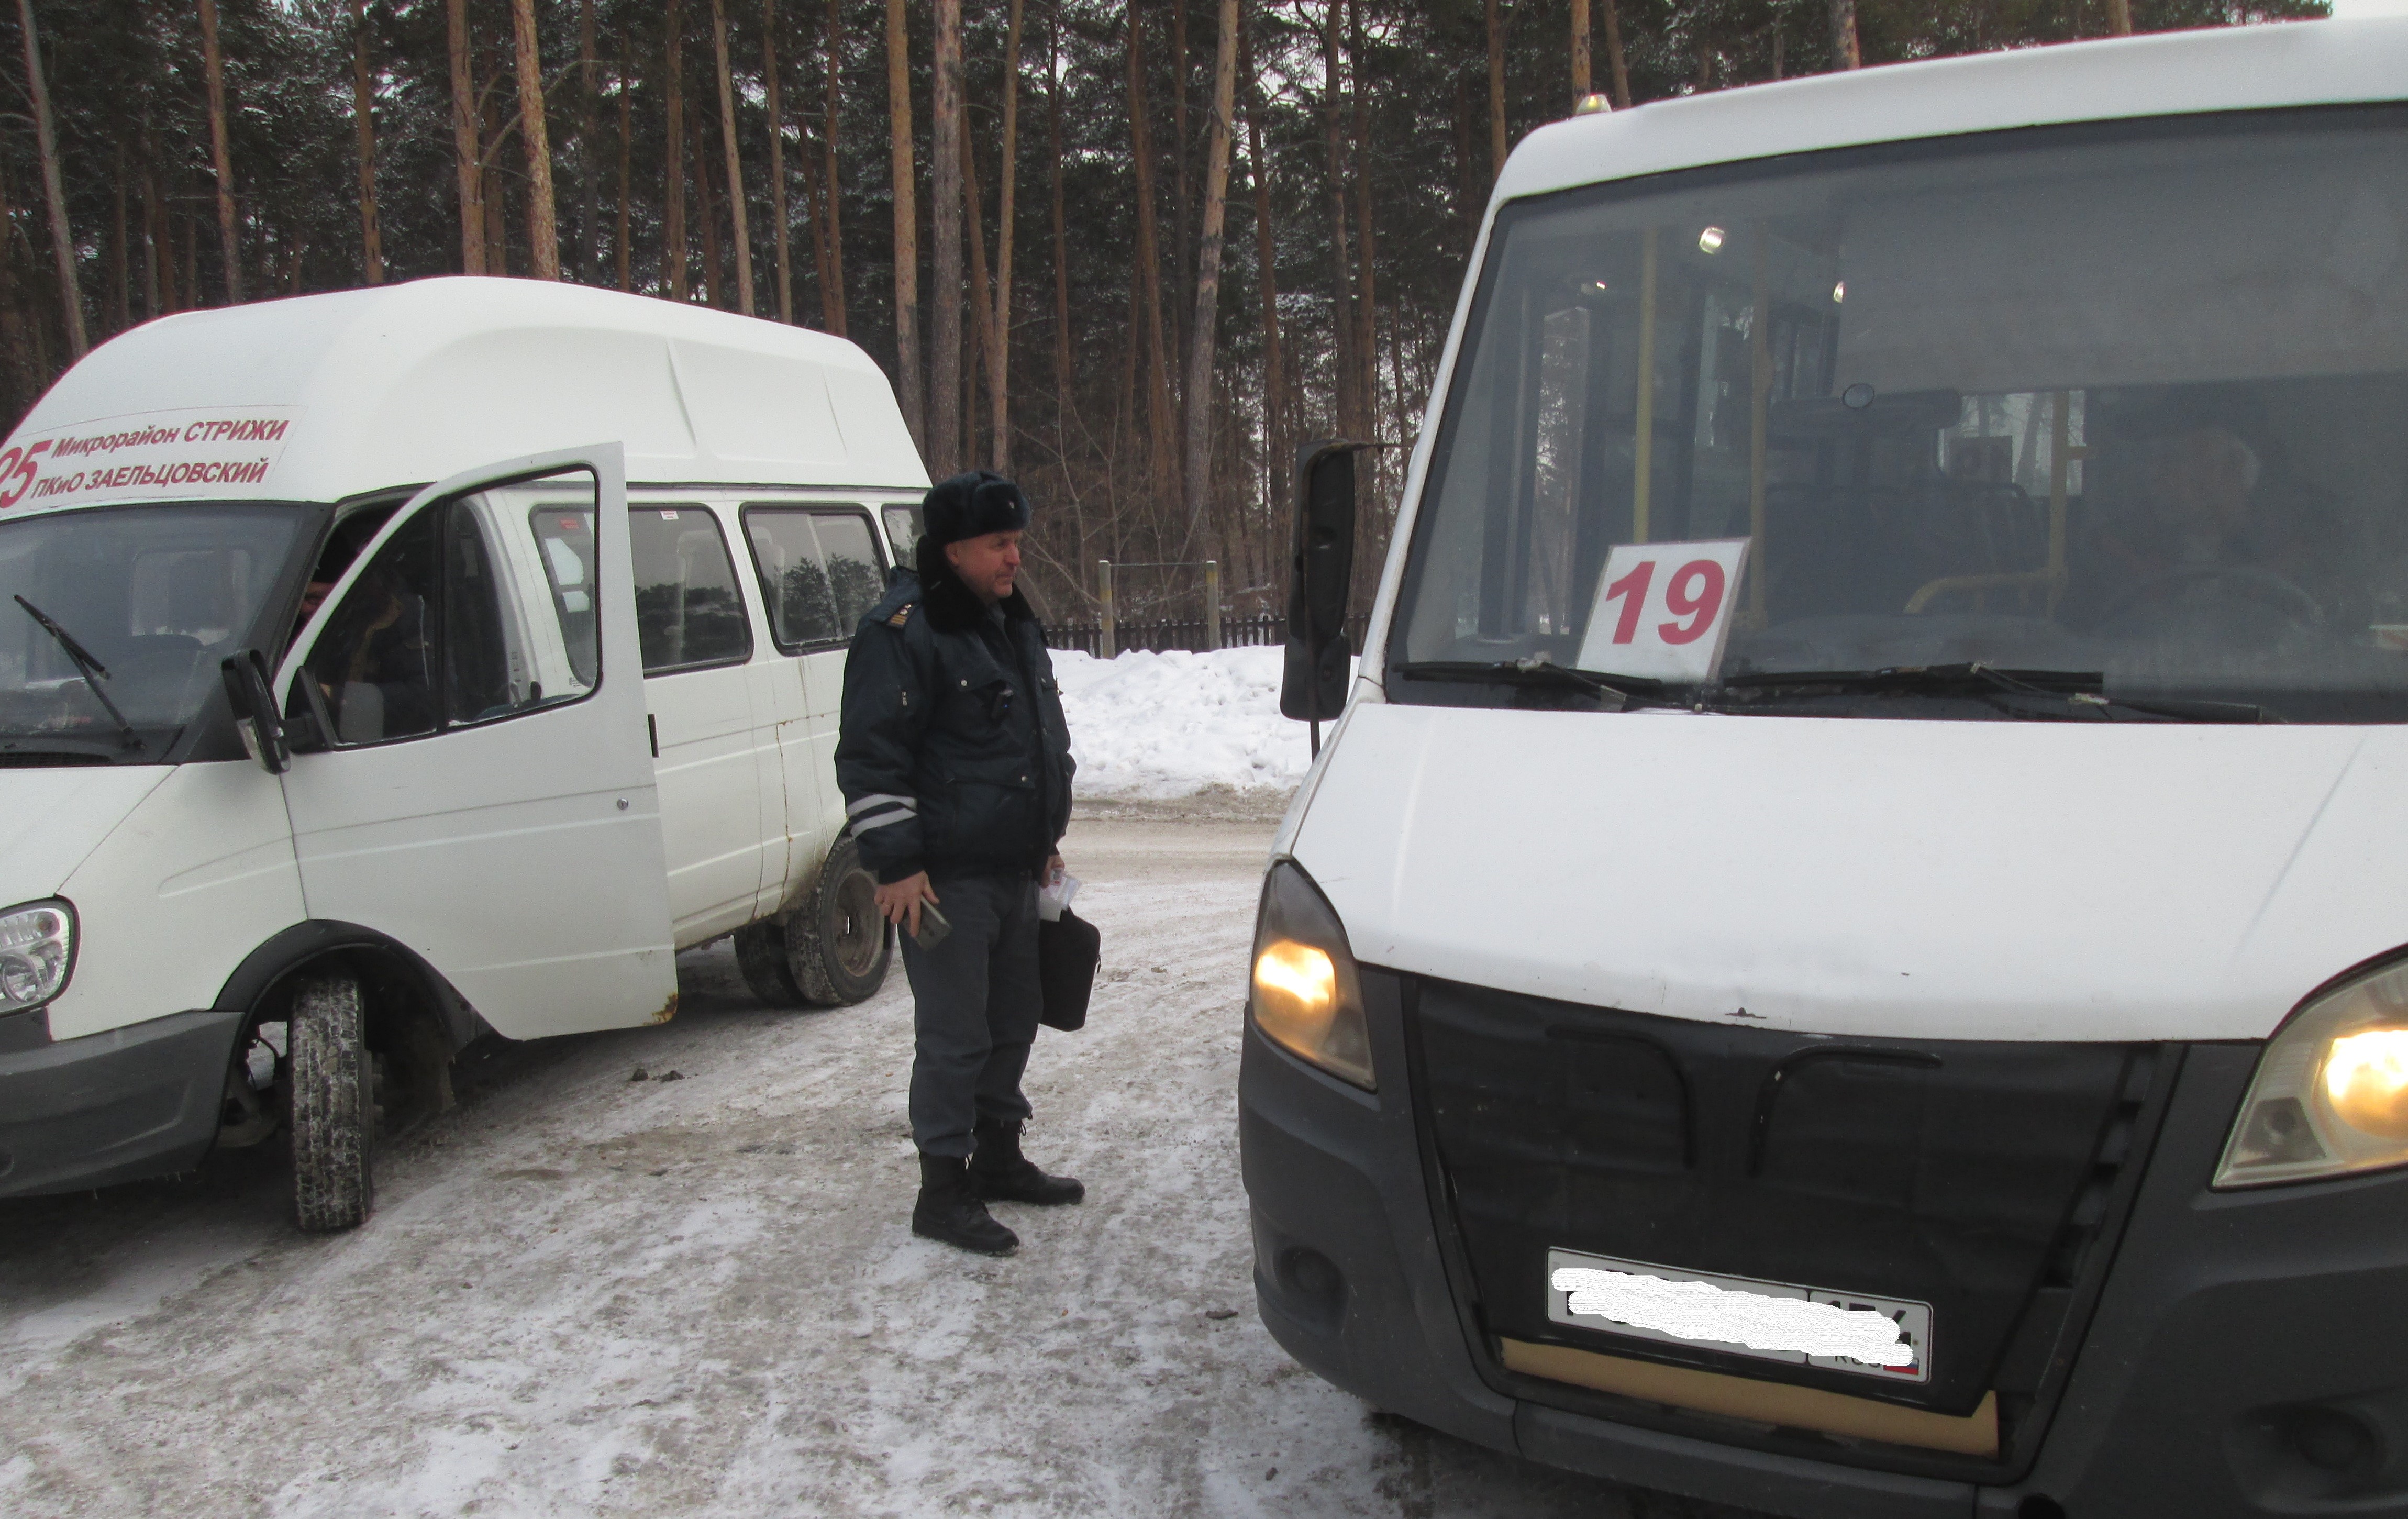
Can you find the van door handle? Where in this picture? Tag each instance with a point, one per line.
(653, 728)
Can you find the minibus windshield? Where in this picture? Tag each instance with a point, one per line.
(152, 595)
(2120, 409)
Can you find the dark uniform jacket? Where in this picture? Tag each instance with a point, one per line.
(953, 755)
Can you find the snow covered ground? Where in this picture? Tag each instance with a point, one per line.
(1148, 726)
(585, 1295)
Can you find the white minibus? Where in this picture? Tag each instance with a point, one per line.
(382, 670)
(1848, 952)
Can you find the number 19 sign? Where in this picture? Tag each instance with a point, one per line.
(1664, 609)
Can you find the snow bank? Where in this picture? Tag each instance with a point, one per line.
(1172, 725)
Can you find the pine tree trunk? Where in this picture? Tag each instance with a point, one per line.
(776, 161)
(542, 211)
(998, 362)
(713, 266)
(831, 211)
(982, 300)
(946, 453)
(735, 182)
(157, 292)
(1620, 72)
(221, 157)
(1208, 275)
(1579, 51)
(1181, 223)
(1366, 319)
(1844, 52)
(1161, 438)
(1275, 408)
(815, 212)
(364, 114)
(589, 243)
(1061, 240)
(673, 249)
(2119, 17)
(53, 188)
(464, 140)
(495, 195)
(906, 226)
(621, 251)
(1496, 91)
(1341, 285)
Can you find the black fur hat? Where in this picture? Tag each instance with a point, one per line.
(972, 505)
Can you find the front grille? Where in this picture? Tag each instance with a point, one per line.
(1980, 1177)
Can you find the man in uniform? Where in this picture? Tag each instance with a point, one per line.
(955, 764)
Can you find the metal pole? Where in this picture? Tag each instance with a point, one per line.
(1212, 604)
(1104, 595)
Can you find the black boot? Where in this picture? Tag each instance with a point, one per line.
(1000, 1173)
(948, 1211)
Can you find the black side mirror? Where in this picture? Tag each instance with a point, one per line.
(1321, 572)
(255, 709)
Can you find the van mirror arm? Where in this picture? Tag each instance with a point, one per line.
(245, 674)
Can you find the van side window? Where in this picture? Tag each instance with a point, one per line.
(375, 665)
(820, 571)
(688, 612)
(459, 619)
(902, 529)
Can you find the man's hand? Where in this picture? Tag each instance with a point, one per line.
(901, 901)
(1053, 869)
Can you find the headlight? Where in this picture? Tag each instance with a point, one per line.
(37, 951)
(1307, 999)
(2331, 1095)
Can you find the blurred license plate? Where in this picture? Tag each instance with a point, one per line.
(1734, 1300)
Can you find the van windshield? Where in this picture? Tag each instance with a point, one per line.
(155, 595)
(2118, 406)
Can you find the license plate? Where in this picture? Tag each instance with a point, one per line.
(1889, 1338)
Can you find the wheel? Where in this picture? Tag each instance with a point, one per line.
(334, 1106)
(833, 950)
(761, 955)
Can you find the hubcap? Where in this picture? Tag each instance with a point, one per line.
(860, 929)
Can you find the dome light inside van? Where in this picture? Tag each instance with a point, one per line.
(1307, 999)
(2331, 1095)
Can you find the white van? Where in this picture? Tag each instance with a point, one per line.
(1848, 953)
(312, 772)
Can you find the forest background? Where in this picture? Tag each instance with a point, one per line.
(1130, 251)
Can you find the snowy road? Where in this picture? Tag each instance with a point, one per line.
(586, 1295)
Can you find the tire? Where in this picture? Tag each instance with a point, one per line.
(831, 951)
(761, 955)
(334, 1106)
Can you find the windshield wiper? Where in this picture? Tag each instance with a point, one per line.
(2079, 690)
(94, 671)
(1537, 670)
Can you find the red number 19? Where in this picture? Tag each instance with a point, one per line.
(1632, 589)
(1698, 606)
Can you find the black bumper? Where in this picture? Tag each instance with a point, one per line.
(115, 1107)
(2248, 1354)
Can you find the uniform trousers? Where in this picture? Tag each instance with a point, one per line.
(975, 1001)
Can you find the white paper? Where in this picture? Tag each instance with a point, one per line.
(1055, 896)
(1664, 610)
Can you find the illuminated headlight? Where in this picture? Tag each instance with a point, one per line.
(1307, 999)
(37, 951)
(2331, 1095)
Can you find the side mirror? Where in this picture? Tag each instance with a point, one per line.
(1321, 572)
(255, 709)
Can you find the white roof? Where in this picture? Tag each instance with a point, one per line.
(2170, 74)
(320, 397)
